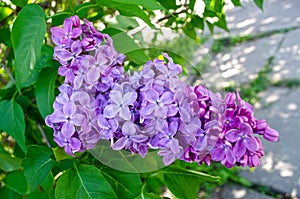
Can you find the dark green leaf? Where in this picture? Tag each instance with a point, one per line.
(4, 12)
(125, 44)
(5, 36)
(7, 93)
(236, 2)
(170, 4)
(222, 22)
(44, 91)
(145, 195)
(127, 10)
(126, 185)
(37, 165)
(210, 27)
(197, 21)
(44, 60)
(27, 37)
(8, 163)
(86, 181)
(16, 181)
(192, 4)
(19, 3)
(148, 4)
(185, 183)
(190, 31)
(259, 3)
(9, 194)
(38, 194)
(13, 123)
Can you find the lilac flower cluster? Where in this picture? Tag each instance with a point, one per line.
(237, 130)
(149, 109)
(90, 66)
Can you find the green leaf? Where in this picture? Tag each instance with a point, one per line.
(148, 4)
(197, 21)
(13, 123)
(37, 166)
(19, 3)
(44, 91)
(129, 10)
(126, 185)
(16, 181)
(60, 154)
(145, 195)
(44, 60)
(37, 194)
(185, 183)
(170, 4)
(189, 30)
(9, 194)
(8, 163)
(27, 37)
(125, 44)
(124, 23)
(5, 36)
(86, 181)
(222, 22)
(259, 3)
(236, 2)
(5, 12)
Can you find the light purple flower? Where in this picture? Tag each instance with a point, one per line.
(244, 140)
(120, 105)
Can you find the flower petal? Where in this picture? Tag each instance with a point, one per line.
(116, 97)
(58, 32)
(125, 113)
(128, 128)
(129, 98)
(111, 111)
(239, 149)
(218, 154)
(251, 144)
(68, 129)
(69, 109)
(120, 143)
(233, 135)
(151, 95)
(230, 156)
(167, 98)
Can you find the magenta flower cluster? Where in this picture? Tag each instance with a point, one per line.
(147, 109)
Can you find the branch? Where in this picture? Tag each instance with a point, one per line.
(44, 135)
(5, 67)
(171, 15)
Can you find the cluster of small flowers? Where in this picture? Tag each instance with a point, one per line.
(90, 66)
(235, 127)
(149, 109)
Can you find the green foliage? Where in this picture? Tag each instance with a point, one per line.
(86, 181)
(44, 91)
(13, 123)
(27, 38)
(31, 164)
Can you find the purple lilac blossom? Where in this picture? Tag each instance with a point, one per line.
(149, 109)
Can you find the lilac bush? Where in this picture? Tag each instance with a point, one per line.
(147, 109)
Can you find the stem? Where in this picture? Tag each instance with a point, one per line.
(44, 135)
(5, 67)
(171, 15)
